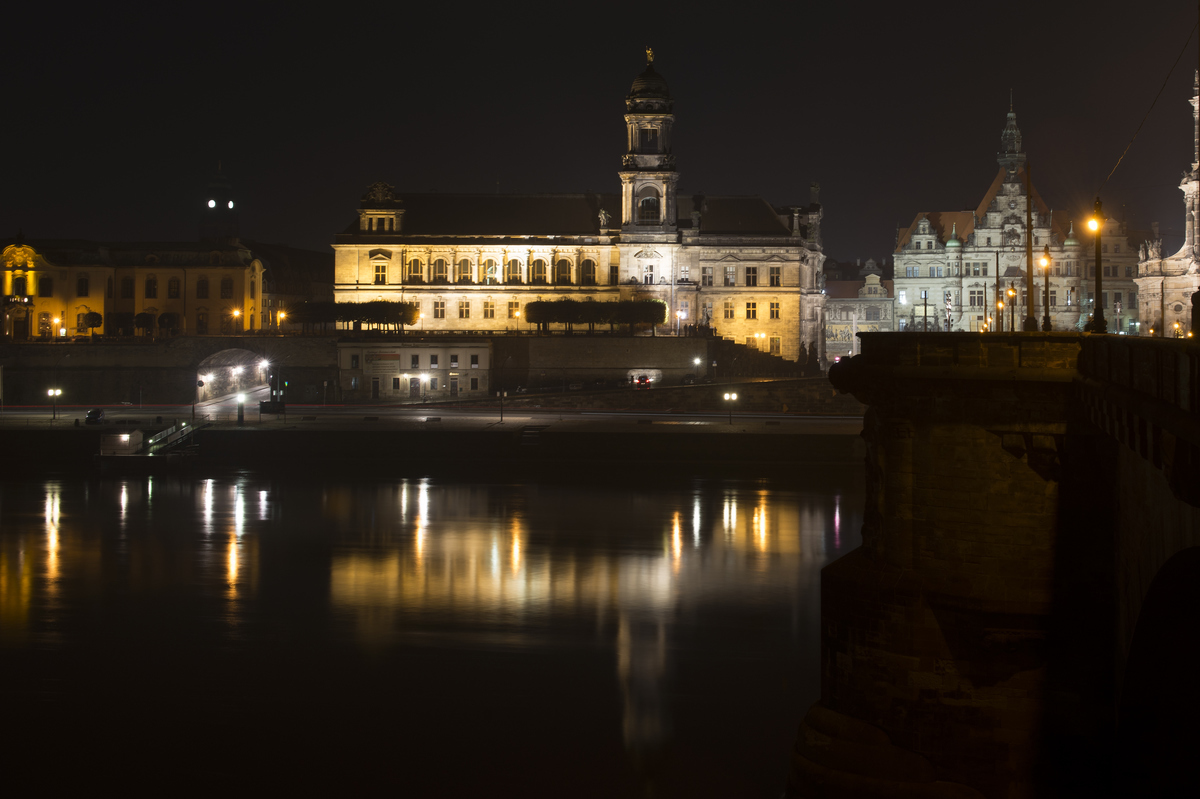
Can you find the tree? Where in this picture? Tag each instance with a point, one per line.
(92, 320)
(169, 322)
(144, 321)
(121, 322)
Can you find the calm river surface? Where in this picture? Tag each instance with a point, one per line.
(430, 637)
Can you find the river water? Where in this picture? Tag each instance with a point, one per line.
(589, 637)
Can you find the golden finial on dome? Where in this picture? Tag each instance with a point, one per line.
(649, 55)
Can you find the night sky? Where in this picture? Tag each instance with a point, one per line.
(117, 115)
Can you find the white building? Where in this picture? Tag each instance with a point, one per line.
(472, 262)
(953, 267)
(1166, 285)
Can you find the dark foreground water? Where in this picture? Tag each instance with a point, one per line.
(426, 637)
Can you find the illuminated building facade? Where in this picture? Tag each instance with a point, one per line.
(946, 262)
(195, 288)
(865, 305)
(1166, 285)
(402, 369)
(471, 262)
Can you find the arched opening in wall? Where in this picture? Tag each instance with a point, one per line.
(537, 272)
(648, 206)
(562, 272)
(587, 273)
(233, 371)
(202, 323)
(173, 289)
(512, 271)
(464, 271)
(489, 272)
(1158, 730)
(415, 273)
(441, 273)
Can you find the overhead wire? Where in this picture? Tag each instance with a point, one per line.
(1151, 108)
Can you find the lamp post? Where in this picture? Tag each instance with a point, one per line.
(1012, 307)
(236, 320)
(1045, 262)
(1096, 223)
(500, 380)
(55, 393)
(731, 398)
(279, 321)
(999, 316)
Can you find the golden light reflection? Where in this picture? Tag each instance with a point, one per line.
(262, 506)
(239, 512)
(52, 546)
(760, 522)
(676, 541)
(516, 545)
(696, 521)
(207, 500)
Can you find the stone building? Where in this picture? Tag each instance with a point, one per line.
(1166, 285)
(199, 288)
(952, 267)
(414, 369)
(865, 305)
(471, 262)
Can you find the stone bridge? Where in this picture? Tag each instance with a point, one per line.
(1021, 618)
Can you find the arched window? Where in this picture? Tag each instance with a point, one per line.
(562, 272)
(415, 273)
(202, 323)
(464, 271)
(45, 287)
(489, 271)
(127, 288)
(512, 271)
(253, 288)
(151, 288)
(19, 286)
(173, 289)
(201, 288)
(648, 206)
(440, 273)
(587, 273)
(537, 271)
(81, 287)
(227, 288)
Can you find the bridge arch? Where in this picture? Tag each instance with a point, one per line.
(1158, 732)
(230, 371)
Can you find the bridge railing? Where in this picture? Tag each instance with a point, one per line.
(1167, 370)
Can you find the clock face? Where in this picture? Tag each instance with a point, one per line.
(1012, 204)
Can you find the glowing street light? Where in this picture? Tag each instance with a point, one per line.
(731, 398)
(54, 394)
(1098, 324)
(1045, 263)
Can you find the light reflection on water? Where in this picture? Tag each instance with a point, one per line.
(657, 581)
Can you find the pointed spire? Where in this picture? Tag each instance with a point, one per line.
(1010, 156)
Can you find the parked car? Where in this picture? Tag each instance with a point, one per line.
(642, 381)
(94, 416)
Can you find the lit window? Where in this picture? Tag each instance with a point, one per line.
(439, 309)
(380, 273)
(728, 309)
(464, 309)
(751, 275)
(489, 309)
(776, 276)
(514, 309)
(751, 310)
(774, 310)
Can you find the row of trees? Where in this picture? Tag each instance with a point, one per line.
(386, 315)
(544, 313)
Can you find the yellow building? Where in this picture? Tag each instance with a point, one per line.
(735, 264)
(149, 288)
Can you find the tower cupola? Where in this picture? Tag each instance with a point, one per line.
(1010, 156)
(648, 176)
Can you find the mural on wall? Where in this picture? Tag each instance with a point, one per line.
(846, 333)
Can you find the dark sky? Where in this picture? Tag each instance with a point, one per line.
(120, 112)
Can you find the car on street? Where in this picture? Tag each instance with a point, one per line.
(642, 381)
(94, 416)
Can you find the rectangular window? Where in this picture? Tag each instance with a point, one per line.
(706, 276)
(45, 287)
(751, 310)
(751, 275)
(474, 383)
(708, 313)
(903, 296)
(474, 361)
(614, 274)
(989, 241)
(464, 309)
(151, 288)
(433, 384)
(774, 310)
(728, 308)
(1092, 270)
(439, 309)
(730, 276)
(1129, 271)
(395, 384)
(81, 287)
(353, 361)
(127, 288)
(354, 384)
(1104, 248)
(1104, 299)
(489, 309)
(433, 361)
(776, 345)
(79, 323)
(1116, 248)
(453, 361)
(514, 309)
(776, 276)
(1053, 298)
(173, 288)
(380, 273)
(976, 298)
(415, 362)
(1116, 298)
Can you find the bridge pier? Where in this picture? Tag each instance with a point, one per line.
(943, 634)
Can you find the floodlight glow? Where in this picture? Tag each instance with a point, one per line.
(237, 370)
(231, 203)
(733, 396)
(125, 438)
(212, 203)
(264, 364)
(241, 398)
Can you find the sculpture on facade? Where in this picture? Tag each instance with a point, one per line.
(605, 218)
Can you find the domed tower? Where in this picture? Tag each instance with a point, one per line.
(1010, 156)
(648, 176)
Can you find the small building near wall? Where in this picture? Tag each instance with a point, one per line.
(414, 370)
(865, 305)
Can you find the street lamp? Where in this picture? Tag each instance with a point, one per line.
(1098, 325)
(1012, 307)
(279, 323)
(731, 398)
(1045, 262)
(999, 316)
(55, 393)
